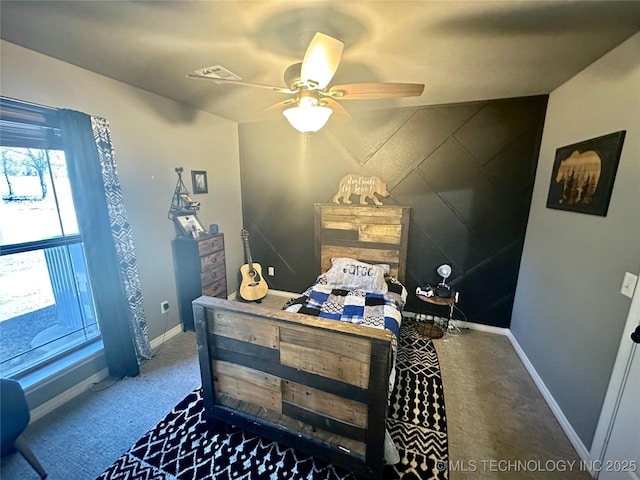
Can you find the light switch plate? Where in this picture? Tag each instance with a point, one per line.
(629, 284)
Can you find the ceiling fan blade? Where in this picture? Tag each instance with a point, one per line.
(245, 84)
(321, 60)
(280, 106)
(339, 112)
(372, 91)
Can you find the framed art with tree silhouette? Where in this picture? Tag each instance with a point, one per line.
(583, 175)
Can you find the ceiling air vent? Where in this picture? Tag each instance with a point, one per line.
(218, 71)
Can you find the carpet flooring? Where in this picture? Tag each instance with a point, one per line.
(181, 446)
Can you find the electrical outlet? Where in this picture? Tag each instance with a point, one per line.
(629, 284)
(164, 306)
(271, 271)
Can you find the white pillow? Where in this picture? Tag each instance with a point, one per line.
(385, 267)
(350, 274)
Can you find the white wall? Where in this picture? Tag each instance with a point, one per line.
(569, 314)
(151, 136)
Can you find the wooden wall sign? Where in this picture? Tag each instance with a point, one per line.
(365, 187)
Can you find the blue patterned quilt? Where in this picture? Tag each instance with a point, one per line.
(363, 308)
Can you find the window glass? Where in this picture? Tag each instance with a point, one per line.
(46, 306)
(24, 285)
(36, 195)
(63, 196)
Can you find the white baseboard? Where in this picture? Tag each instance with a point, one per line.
(49, 406)
(159, 340)
(461, 324)
(583, 452)
(282, 293)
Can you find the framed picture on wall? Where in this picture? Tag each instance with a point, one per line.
(583, 175)
(199, 180)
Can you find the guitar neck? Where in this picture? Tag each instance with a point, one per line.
(247, 252)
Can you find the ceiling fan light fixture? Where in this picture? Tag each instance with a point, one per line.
(308, 118)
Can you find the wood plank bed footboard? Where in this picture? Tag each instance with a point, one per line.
(318, 385)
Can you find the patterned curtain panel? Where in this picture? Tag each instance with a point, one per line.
(108, 241)
(122, 238)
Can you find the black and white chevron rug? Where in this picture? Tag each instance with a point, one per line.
(180, 447)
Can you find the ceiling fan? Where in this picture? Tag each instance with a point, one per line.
(312, 101)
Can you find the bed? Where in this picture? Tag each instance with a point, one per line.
(305, 379)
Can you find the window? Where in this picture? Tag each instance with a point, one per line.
(46, 301)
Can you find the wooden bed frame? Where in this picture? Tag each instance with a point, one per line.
(318, 385)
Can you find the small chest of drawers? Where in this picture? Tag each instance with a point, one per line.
(200, 270)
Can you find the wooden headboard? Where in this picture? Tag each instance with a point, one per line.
(369, 233)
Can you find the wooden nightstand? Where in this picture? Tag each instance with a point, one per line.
(429, 295)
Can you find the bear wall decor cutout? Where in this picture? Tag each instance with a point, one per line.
(364, 186)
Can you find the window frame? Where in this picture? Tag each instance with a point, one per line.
(26, 125)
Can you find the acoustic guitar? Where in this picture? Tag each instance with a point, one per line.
(253, 287)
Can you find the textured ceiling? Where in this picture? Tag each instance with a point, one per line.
(461, 50)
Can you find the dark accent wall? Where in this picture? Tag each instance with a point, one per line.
(466, 171)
